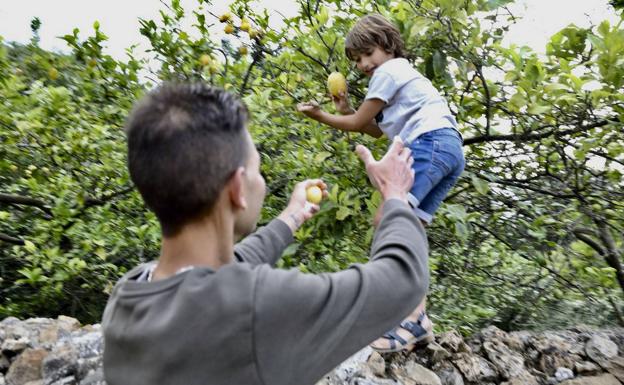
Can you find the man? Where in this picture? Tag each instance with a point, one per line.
(211, 312)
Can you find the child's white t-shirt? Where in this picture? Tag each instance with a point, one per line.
(413, 105)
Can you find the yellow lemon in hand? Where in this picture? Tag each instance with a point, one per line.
(314, 194)
(336, 83)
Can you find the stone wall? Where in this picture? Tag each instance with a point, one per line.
(41, 351)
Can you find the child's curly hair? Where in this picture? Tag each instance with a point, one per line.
(371, 31)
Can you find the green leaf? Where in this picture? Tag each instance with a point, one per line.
(494, 4)
(517, 101)
(457, 212)
(290, 250)
(321, 156)
(479, 184)
(342, 213)
(538, 109)
(323, 15)
(30, 247)
(604, 28)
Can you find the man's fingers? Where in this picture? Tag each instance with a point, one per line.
(314, 182)
(364, 154)
(397, 146)
(405, 154)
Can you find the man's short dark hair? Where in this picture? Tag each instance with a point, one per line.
(184, 143)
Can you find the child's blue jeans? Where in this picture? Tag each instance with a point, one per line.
(438, 163)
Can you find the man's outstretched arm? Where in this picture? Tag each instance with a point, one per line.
(267, 244)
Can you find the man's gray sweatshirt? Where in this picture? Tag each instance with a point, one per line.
(250, 323)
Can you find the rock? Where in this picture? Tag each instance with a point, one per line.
(437, 352)
(90, 344)
(4, 363)
(11, 347)
(95, 377)
(413, 374)
(363, 381)
(525, 378)
(449, 375)
(563, 374)
(617, 335)
(62, 362)
(86, 366)
(26, 367)
(490, 357)
(15, 329)
(514, 342)
(509, 365)
(451, 340)
(9, 321)
(550, 360)
(49, 336)
(492, 332)
(601, 349)
(65, 381)
(586, 367)
(377, 364)
(605, 379)
(68, 323)
(616, 367)
(355, 366)
(329, 380)
(523, 336)
(549, 342)
(474, 368)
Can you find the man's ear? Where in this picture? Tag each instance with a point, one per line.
(236, 191)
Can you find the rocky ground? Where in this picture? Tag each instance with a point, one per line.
(41, 351)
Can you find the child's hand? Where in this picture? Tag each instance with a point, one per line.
(342, 103)
(311, 109)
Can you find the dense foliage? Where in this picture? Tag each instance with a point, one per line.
(532, 236)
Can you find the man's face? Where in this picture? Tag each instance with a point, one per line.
(254, 189)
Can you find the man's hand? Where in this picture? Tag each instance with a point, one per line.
(341, 102)
(299, 209)
(311, 109)
(392, 175)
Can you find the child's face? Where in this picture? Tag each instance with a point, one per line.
(368, 62)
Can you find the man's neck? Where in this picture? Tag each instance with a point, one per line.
(208, 243)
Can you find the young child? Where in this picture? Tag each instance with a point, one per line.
(400, 101)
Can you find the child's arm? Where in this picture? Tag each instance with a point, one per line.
(344, 107)
(361, 120)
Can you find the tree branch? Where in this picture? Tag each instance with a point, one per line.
(26, 201)
(488, 100)
(583, 235)
(9, 239)
(533, 136)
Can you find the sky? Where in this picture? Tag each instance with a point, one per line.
(118, 19)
